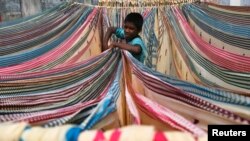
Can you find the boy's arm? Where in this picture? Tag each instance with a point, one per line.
(107, 36)
(132, 48)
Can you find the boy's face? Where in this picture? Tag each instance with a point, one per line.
(130, 30)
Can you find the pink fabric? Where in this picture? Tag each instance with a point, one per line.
(63, 111)
(129, 94)
(99, 136)
(32, 33)
(52, 55)
(218, 56)
(159, 136)
(50, 71)
(158, 111)
(79, 55)
(115, 135)
(167, 116)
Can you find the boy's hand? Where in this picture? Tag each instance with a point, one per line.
(112, 45)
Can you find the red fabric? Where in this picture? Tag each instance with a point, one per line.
(115, 135)
(220, 57)
(159, 136)
(99, 136)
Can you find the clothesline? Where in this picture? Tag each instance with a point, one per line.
(122, 5)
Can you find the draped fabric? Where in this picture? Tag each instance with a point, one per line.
(57, 83)
(132, 133)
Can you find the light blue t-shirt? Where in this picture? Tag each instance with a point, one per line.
(137, 41)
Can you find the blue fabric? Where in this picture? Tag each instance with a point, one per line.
(137, 41)
(73, 133)
(107, 105)
(18, 58)
(231, 29)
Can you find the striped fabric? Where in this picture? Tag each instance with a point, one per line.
(131, 133)
(56, 83)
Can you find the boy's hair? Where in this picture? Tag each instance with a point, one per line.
(136, 19)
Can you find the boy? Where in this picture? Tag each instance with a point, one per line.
(134, 44)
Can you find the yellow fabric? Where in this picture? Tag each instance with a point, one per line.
(134, 133)
(179, 136)
(11, 131)
(87, 135)
(46, 134)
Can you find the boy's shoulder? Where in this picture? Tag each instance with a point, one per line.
(137, 38)
(138, 41)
